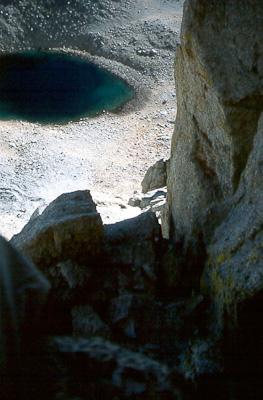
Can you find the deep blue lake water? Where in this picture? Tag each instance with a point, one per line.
(47, 87)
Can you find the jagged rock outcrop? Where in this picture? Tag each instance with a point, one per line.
(218, 75)
(116, 288)
(233, 275)
(155, 176)
(80, 366)
(90, 265)
(111, 292)
(65, 242)
(215, 176)
(70, 228)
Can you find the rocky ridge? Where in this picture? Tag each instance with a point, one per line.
(106, 282)
(214, 207)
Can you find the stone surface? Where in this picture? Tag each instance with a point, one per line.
(153, 325)
(233, 273)
(155, 176)
(138, 317)
(99, 369)
(214, 218)
(218, 75)
(215, 166)
(23, 291)
(131, 247)
(153, 197)
(74, 274)
(69, 228)
(153, 200)
(214, 201)
(202, 358)
(135, 201)
(87, 323)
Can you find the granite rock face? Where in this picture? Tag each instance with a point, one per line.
(101, 286)
(69, 228)
(112, 286)
(215, 176)
(233, 273)
(155, 176)
(218, 75)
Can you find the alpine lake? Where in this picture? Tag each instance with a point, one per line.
(49, 87)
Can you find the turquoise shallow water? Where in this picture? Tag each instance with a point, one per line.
(47, 87)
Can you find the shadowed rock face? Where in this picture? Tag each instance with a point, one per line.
(100, 287)
(215, 178)
(23, 290)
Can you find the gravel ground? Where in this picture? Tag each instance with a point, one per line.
(108, 154)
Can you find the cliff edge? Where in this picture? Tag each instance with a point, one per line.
(214, 202)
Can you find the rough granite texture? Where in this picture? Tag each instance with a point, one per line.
(215, 176)
(233, 274)
(218, 75)
(69, 228)
(155, 176)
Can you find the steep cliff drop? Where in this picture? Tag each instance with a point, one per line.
(192, 304)
(215, 189)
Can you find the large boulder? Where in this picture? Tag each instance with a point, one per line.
(131, 248)
(218, 76)
(155, 176)
(70, 228)
(215, 186)
(65, 243)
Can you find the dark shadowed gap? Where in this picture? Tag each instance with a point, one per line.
(46, 87)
